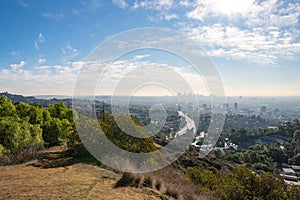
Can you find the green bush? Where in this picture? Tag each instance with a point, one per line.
(202, 177)
(15, 133)
(124, 140)
(56, 130)
(2, 150)
(242, 183)
(7, 108)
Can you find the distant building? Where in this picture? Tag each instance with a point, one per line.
(263, 109)
(289, 174)
(226, 106)
(288, 171)
(296, 168)
(235, 106)
(100, 110)
(228, 145)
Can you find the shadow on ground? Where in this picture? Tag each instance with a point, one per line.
(62, 156)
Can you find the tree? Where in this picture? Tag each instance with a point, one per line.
(61, 111)
(57, 123)
(33, 113)
(297, 135)
(7, 108)
(270, 186)
(138, 144)
(16, 133)
(277, 154)
(202, 177)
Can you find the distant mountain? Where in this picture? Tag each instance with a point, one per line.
(15, 98)
(53, 97)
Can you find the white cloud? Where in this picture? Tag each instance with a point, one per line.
(260, 32)
(256, 31)
(92, 5)
(185, 3)
(55, 16)
(36, 45)
(120, 3)
(168, 17)
(139, 57)
(40, 40)
(129, 74)
(68, 52)
(15, 54)
(153, 4)
(251, 45)
(45, 79)
(22, 3)
(76, 12)
(41, 60)
(60, 79)
(17, 66)
(273, 13)
(209, 8)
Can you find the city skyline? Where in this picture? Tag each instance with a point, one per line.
(255, 45)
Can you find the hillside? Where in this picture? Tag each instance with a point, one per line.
(53, 177)
(16, 98)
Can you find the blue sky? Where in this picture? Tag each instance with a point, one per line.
(255, 44)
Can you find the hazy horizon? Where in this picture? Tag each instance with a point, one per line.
(107, 95)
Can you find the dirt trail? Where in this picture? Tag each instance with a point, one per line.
(77, 181)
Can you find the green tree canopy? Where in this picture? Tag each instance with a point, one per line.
(16, 133)
(33, 113)
(7, 108)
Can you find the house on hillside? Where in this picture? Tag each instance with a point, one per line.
(296, 168)
(289, 174)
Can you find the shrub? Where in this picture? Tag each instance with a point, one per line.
(172, 193)
(20, 155)
(202, 177)
(242, 183)
(147, 182)
(56, 131)
(158, 185)
(128, 179)
(2, 150)
(16, 133)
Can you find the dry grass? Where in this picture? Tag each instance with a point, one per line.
(168, 181)
(20, 156)
(32, 180)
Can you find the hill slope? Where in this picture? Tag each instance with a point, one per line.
(78, 181)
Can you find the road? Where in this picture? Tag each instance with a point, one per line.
(190, 125)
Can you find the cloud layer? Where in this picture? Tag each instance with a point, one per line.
(249, 30)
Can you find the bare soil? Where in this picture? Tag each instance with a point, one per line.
(34, 180)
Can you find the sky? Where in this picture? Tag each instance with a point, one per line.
(254, 44)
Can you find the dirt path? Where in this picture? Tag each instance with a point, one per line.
(77, 181)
